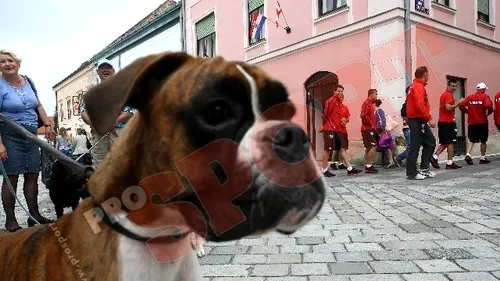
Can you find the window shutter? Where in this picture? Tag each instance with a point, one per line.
(254, 4)
(205, 27)
(483, 6)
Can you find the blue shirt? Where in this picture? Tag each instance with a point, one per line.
(18, 104)
(124, 109)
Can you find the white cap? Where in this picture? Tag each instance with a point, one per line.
(481, 86)
(104, 61)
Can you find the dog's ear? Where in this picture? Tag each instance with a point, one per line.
(133, 86)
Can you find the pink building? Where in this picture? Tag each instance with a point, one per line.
(360, 44)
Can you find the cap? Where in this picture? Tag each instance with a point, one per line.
(481, 86)
(104, 61)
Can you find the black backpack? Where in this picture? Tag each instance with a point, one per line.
(403, 110)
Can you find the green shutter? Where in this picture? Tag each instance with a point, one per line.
(254, 4)
(205, 27)
(483, 6)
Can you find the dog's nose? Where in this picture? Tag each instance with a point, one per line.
(291, 144)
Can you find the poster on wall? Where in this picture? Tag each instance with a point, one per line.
(68, 106)
(76, 105)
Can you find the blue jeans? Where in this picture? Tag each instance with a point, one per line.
(404, 153)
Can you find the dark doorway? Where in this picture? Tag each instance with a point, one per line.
(319, 87)
(460, 145)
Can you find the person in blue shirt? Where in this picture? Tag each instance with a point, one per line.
(19, 102)
(100, 144)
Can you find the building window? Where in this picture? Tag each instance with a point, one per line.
(68, 106)
(205, 37)
(328, 6)
(443, 2)
(255, 7)
(483, 10)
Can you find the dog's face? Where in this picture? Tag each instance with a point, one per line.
(221, 129)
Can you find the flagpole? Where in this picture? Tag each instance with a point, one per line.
(287, 28)
(275, 22)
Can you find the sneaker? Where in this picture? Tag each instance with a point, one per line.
(427, 173)
(354, 171)
(468, 160)
(371, 170)
(342, 166)
(419, 176)
(453, 166)
(332, 167)
(484, 161)
(328, 174)
(434, 163)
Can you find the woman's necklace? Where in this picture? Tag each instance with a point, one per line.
(19, 89)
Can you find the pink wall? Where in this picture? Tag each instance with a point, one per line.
(466, 19)
(351, 66)
(448, 56)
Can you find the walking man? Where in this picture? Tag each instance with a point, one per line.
(341, 117)
(102, 144)
(447, 126)
(418, 112)
(406, 133)
(368, 130)
(478, 107)
(497, 111)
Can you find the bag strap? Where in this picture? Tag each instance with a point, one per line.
(32, 85)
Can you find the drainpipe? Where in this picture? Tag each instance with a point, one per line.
(408, 57)
(183, 25)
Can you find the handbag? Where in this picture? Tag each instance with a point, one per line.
(385, 141)
(32, 85)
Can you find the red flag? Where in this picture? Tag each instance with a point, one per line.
(278, 13)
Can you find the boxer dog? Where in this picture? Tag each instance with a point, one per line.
(212, 151)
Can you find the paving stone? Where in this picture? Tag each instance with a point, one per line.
(399, 255)
(377, 277)
(394, 267)
(449, 254)
(310, 269)
(318, 257)
(284, 258)
(248, 259)
(224, 270)
(252, 242)
(475, 228)
(471, 276)
(455, 233)
(405, 245)
(238, 279)
(285, 249)
(436, 223)
(270, 270)
(363, 247)
(425, 277)
(229, 250)
(349, 268)
(311, 240)
(216, 259)
(484, 252)
(264, 250)
(287, 278)
(329, 248)
(416, 228)
(328, 278)
(353, 257)
(281, 241)
(493, 238)
(437, 266)
(479, 264)
(473, 243)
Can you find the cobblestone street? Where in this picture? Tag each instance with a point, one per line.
(374, 227)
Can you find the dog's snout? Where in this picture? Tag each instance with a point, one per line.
(291, 144)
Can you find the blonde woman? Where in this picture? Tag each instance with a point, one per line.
(19, 102)
(63, 142)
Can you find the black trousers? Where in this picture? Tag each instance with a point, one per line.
(421, 135)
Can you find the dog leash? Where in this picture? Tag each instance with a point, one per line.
(82, 172)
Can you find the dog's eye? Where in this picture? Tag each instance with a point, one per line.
(217, 113)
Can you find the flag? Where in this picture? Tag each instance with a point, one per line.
(278, 13)
(257, 24)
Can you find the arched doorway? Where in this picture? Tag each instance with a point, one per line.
(318, 87)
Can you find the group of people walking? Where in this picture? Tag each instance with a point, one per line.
(376, 128)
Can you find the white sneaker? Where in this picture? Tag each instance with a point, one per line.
(427, 173)
(419, 176)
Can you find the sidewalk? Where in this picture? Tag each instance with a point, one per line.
(381, 227)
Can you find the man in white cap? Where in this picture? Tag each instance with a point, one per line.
(102, 144)
(477, 106)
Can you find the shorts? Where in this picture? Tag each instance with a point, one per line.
(370, 138)
(447, 132)
(343, 139)
(478, 133)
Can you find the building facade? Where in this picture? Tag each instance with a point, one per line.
(360, 44)
(158, 32)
